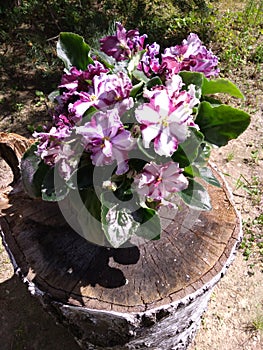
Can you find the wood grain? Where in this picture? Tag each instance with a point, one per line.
(127, 279)
(150, 295)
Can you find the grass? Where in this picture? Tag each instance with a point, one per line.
(253, 237)
(230, 156)
(238, 33)
(234, 28)
(252, 186)
(257, 323)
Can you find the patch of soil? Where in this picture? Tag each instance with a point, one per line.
(25, 325)
(237, 301)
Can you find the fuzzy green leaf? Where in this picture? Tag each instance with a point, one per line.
(136, 88)
(222, 123)
(196, 196)
(191, 171)
(140, 76)
(89, 217)
(53, 95)
(102, 57)
(89, 113)
(194, 78)
(155, 81)
(134, 62)
(118, 223)
(207, 175)
(150, 224)
(203, 155)
(73, 51)
(188, 150)
(53, 188)
(149, 153)
(33, 171)
(221, 86)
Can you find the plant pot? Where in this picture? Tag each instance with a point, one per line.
(150, 296)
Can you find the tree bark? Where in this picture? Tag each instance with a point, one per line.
(150, 296)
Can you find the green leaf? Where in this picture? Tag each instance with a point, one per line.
(202, 172)
(92, 202)
(194, 78)
(73, 51)
(134, 62)
(53, 188)
(220, 86)
(118, 223)
(154, 82)
(82, 178)
(52, 96)
(213, 101)
(33, 171)
(196, 196)
(207, 175)
(89, 113)
(222, 123)
(89, 217)
(191, 171)
(150, 224)
(102, 57)
(139, 75)
(203, 155)
(188, 150)
(136, 88)
(150, 155)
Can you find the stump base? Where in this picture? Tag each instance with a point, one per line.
(146, 297)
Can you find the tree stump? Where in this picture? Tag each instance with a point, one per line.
(143, 297)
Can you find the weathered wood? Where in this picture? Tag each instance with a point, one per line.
(12, 147)
(148, 296)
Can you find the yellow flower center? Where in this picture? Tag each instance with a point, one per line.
(118, 98)
(180, 58)
(105, 138)
(93, 97)
(164, 121)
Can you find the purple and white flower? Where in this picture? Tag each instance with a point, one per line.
(166, 117)
(158, 182)
(149, 63)
(107, 91)
(50, 143)
(80, 80)
(107, 140)
(192, 56)
(123, 44)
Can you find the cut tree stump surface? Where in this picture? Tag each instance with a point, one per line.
(193, 249)
(150, 296)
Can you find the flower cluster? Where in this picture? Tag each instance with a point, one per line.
(143, 112)
(165, 119)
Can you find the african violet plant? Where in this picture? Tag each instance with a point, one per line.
(132, 130)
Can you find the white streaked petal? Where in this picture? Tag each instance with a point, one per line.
(149, 133)
(147, 115)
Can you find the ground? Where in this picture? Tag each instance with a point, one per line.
(234, 319)
(235, 310)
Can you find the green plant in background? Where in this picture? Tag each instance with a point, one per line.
(167, 19)
(235, 32)
(232, 30)
(252, 186)
(257, 323)
(253, 237)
